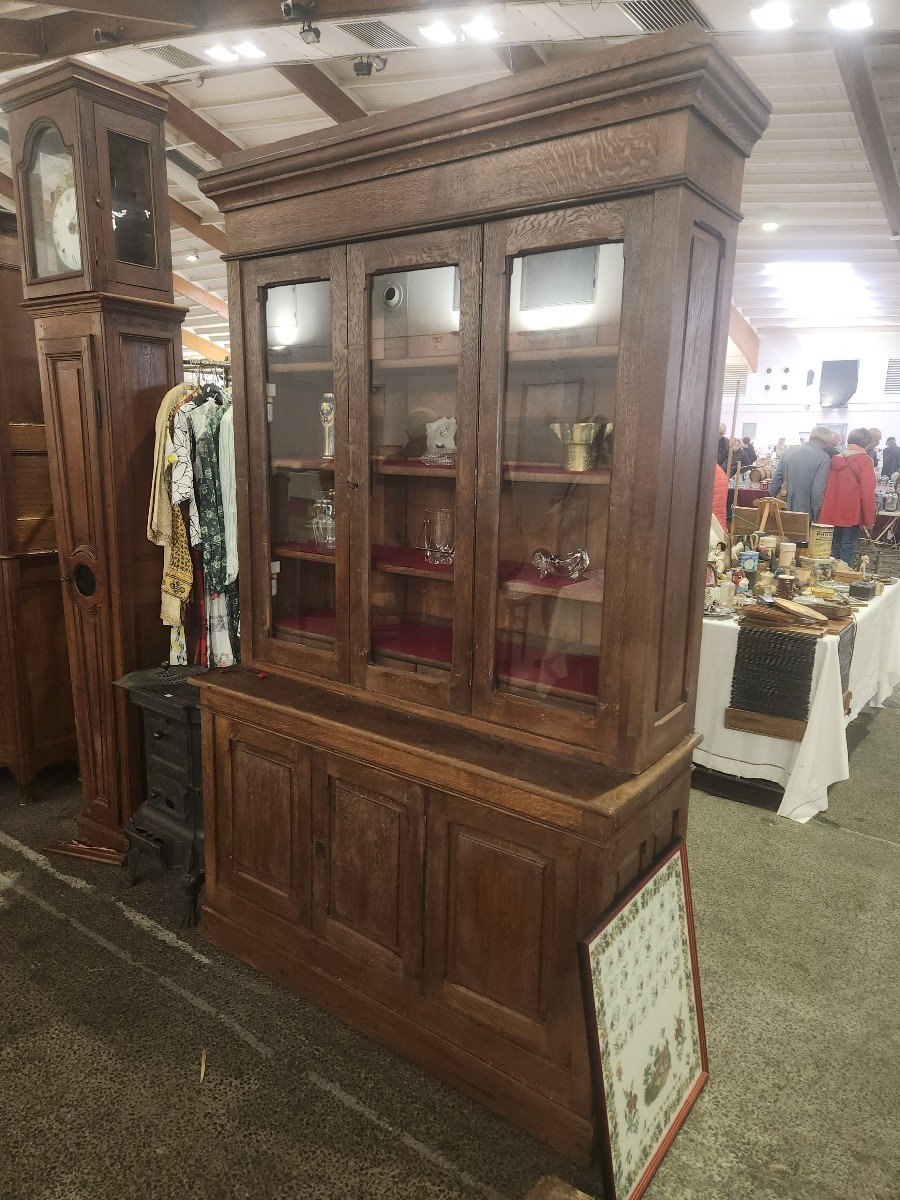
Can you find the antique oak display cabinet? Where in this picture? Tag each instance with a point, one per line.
(37, 724)
(479, 346)
(88, 152)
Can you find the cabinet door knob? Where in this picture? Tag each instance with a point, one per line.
(159, 733)
(154, 792)
(354, 486)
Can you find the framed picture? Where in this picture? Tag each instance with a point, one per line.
(645, 1022)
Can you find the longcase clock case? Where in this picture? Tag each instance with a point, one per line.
(89, 157)
(446, 761)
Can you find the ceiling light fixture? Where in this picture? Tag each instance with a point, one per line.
(854, 15)
(481, 28)
(827, 292)
(195, 257)
(770, 226)
(367, 63)
(220, 53)
(774, 15)
(248, 50)
(310, 33)
(438, 32)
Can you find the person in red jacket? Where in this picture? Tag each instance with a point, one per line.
(720, 498)
(849, 502)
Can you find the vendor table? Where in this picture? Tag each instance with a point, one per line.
(748, 496)
(804, 769)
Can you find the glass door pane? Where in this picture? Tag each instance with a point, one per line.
(558, 417)
(300, 410)
(413, 419)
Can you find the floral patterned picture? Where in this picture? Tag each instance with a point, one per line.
(645, 1022)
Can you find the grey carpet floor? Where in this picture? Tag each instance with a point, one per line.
(103, 1022)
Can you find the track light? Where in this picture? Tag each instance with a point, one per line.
(310, 33)
(367, 63)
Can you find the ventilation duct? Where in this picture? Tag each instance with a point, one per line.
(376, 35)
(654, 15)
(176, 57)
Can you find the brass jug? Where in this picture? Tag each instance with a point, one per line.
(582, 441)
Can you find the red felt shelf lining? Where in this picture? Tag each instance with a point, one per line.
(526, 664)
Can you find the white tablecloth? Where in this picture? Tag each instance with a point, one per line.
(804, 769)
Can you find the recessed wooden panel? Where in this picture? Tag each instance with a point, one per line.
(497, 901)
(364, 856)
(261, 816)
(71, 407)
(369, 851)
(263, 832)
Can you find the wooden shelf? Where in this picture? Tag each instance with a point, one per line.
(406, 560)
(517, 472)
(314, 626)
(306, 551)
(567, 353)
(288, 463)
(301, 368)
(415, 364)
(525, 472)
(526, 579)
(411, 466)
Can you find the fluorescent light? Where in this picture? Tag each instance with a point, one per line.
(220, 53)
(770, 226)
(826, 292)
(774, 15)
(854, 15)
(482, 29)
(248, 50)
(193, 257)
(438, 32)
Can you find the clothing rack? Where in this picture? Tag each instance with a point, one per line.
(199, 369)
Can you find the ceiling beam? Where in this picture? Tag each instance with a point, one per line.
(202, 345)
(23, 39)
(322, 90)
(167, 12)
(68, 33)
(197, 129)
(850, 56)
(744, 337)
(180, 214)
(199, 295)
(519, 58)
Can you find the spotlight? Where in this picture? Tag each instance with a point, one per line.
(310, 33)
(855, 15)
(366, 64)
(103, 37)
(774, 15)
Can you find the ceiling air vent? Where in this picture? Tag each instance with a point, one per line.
(175, 57)
(892, 379)
(376, 35)
(663, 14)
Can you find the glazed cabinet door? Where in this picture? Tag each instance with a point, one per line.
(413, 334)
(557, 465)
(368, 853)
(296, 413)
(261, 811)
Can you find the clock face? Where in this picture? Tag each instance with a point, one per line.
(66, 236)
(51, 207)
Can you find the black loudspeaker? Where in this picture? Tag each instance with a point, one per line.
(837, 382)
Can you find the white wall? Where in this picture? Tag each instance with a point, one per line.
(786, 412)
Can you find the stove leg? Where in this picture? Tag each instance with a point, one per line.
(130, 866)
(193, 881)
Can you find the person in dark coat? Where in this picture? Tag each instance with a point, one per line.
(722, 450)
(747, 443)
(890, 459)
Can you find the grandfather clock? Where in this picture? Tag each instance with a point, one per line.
(90, 175)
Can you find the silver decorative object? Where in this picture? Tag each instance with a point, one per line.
(326, 416)
(572, 566)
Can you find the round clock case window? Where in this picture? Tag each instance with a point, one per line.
(53, 207)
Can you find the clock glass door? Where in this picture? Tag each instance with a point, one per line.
(52, 201)
(131, 191)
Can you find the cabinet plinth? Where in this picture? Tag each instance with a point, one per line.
(477, 414)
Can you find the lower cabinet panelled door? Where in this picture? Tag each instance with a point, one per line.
(368, 835)
(263, 822)
(499, 941)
